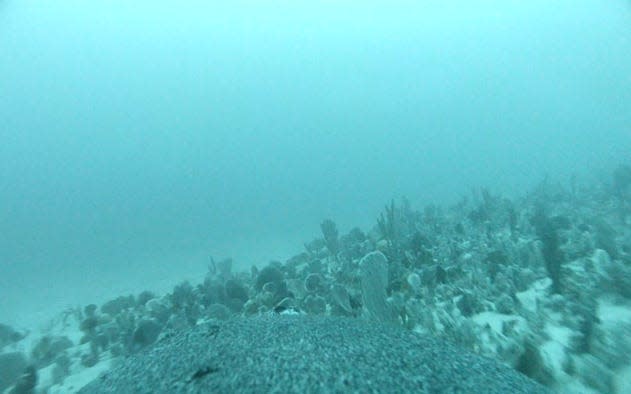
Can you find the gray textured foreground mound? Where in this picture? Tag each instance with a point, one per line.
(307, 354)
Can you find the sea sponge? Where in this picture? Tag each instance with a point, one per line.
(374, 280)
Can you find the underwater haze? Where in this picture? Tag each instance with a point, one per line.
(137, 139)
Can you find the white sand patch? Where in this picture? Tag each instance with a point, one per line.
(558, 333)
(611, 313)
(63, 324)
(497, 320)
(491, 332)
(555, 356)
(537, 291)
(79, 378)
(615, 316)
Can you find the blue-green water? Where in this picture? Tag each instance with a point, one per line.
(139, 138)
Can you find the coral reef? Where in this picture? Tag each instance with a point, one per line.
(531, 282)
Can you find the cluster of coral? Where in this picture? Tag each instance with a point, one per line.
(541, 283)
